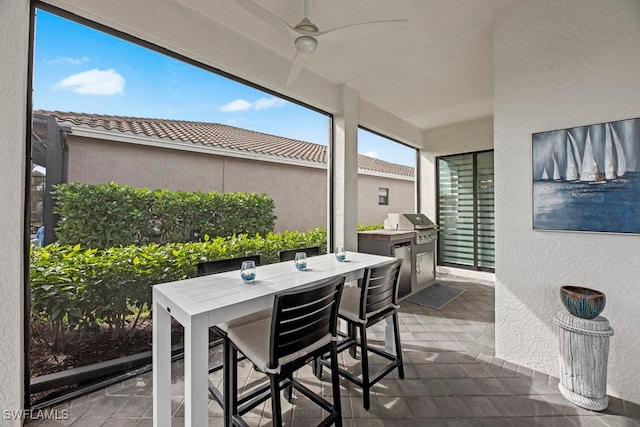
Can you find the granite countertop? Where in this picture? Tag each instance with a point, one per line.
(387, 234)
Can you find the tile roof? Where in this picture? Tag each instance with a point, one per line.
(221, 136)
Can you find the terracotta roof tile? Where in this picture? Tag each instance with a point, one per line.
(219, 135)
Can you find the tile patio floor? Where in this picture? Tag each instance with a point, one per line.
(451, 379)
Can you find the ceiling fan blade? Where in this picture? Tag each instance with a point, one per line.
(359, 30)
(296, 67)
(267, 16)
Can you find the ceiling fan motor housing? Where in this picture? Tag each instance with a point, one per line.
(306, 26)
(306, 43)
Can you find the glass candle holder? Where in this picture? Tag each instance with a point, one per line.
(301, 261)
(248, 271)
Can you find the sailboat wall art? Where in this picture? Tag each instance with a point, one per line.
(587, 178)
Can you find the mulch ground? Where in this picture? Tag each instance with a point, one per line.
(87, 349)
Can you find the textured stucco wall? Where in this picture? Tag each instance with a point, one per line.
(94, 161)
(300, 193)
(14, 43)
(561, 64)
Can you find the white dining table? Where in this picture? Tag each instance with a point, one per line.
(201, 302)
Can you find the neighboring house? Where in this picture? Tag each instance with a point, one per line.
(190, 156)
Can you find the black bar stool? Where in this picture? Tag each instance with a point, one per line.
(223, 265)
(290, 255)
(375, 299)
(301, 328)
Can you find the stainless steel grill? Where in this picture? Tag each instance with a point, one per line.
(420, 262)
(426, 231)
(412, 238)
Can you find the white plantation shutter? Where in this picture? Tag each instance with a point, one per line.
(485, 218)
(466, 210)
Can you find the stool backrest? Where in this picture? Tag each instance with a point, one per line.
(222, 265)
(303, 317)
(290, 255)
(379, 288)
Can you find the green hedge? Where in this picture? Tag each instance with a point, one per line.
(106, 215)
(369, 227)
(73, 286)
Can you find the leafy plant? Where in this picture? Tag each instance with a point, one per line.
(109, 215)
(75, 287)
(367, 227)
(56, 276)
(99, 216)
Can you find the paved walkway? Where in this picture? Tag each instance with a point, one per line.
(451, 379)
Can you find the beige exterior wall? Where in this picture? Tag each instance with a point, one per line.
(299, 192)
(402, 197)
(94, 161)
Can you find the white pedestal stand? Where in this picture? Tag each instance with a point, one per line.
(584, 350)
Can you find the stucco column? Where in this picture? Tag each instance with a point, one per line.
(14, 45)
(345, 170)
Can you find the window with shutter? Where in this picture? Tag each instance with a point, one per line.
(466, 211)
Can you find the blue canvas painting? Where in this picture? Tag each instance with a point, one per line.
(587, 178)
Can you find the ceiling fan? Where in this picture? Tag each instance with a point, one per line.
(306, 35)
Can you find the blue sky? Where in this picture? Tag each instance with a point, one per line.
(79, 69)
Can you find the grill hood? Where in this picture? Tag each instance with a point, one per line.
(412, 221)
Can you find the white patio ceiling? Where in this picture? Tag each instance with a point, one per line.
(435, 71)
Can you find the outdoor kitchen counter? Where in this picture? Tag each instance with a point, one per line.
(411, 238)
(389, 235)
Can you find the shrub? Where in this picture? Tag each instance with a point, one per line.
(74, 287)
(99, 216)
(107, 215)
(367, 227)
(57, 273)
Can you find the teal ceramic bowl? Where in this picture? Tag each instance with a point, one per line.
(583, 302)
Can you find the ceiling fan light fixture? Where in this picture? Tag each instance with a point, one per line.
(306, 44)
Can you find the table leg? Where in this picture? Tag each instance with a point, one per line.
(161, 366)
(196, 364)
(230, 382)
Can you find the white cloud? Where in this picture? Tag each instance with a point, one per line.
(93, 82)
(244, 105)
(269, 103)
(373, 154)
(236, 120)
(67, 60)
(237, 105)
